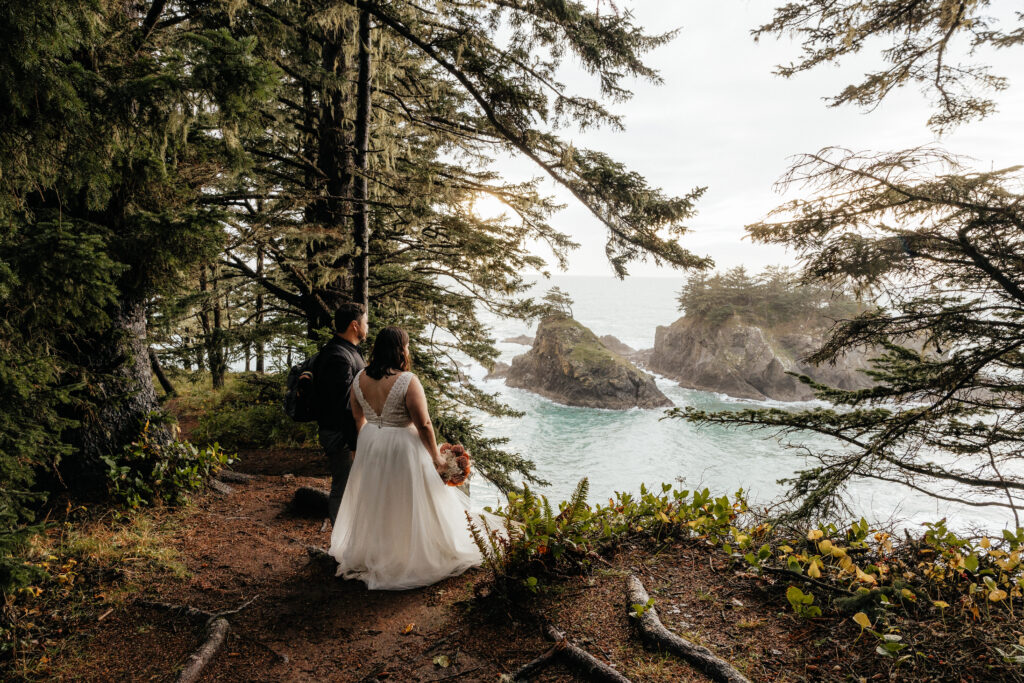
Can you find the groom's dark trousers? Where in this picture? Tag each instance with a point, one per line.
(336, 366)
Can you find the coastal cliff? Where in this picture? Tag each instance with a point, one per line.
(750, 360)
(570, 365)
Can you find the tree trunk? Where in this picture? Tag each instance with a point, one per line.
(161, 377)
(333, 183)
(119, 399)
(218, 367)
(259, 312)
(361, 225)
(212, 331)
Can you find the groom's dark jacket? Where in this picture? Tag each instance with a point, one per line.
(333, 371)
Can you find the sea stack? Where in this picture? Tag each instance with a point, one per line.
(748, 360)
(570, 365)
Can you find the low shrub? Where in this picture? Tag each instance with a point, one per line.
(853, 570)
(151, 470)
(247, 413)
(536, 544)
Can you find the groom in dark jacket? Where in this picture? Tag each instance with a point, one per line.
(333, 371)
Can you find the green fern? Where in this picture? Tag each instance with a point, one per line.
(578, 501)
(529, 501)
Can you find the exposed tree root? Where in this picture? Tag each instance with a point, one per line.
(220, 487)
(793, 576)
(655, 633)
(216, 632)
(531, 668)
(581, 660)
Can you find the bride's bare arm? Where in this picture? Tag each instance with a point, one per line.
(357, 411)
(416, 403)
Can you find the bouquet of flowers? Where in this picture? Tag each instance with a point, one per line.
(456, 471)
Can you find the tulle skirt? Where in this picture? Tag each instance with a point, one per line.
(399, 526)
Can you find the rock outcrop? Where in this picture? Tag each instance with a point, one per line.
(570, 365)
(615, 345)
(498, 371)
(521, 339)
(746, 360)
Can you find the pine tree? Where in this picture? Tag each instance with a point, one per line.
(936, 245)
(113, 125)
(446, 100)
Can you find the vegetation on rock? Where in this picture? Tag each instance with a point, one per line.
(750, 336)
(570, 365)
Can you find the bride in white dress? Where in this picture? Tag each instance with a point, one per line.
(399, 525)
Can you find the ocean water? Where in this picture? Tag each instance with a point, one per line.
(620, 450)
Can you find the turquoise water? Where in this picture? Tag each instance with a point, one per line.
(620, 450)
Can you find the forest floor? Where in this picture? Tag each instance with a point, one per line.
(245, 548)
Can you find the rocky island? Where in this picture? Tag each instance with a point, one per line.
(742, 335)
(570, 365)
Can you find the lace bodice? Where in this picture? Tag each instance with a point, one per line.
(394, 413)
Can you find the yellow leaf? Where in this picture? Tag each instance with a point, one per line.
(786, 549)
(813, 571)
(814, 534)
(408, 629)
(825, 546)
(838, 552)
(862, 620)
(985, 543)
(864, 577)
(942, 604)
(846, 563)
(663, 516)
(908, 594)
(997, 595)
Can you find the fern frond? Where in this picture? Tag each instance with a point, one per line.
(578, 499)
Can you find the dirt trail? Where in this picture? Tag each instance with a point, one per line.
(304, 623)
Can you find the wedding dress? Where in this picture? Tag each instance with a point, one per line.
(399, 525)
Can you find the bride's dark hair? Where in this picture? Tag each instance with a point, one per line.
(388, 355)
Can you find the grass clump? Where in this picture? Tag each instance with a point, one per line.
(81, 569)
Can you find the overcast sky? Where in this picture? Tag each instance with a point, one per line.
(721, 119)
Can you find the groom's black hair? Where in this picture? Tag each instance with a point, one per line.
(346, 313)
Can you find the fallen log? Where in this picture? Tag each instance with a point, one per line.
(581, 660)
(655, 634)
(216, 632)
